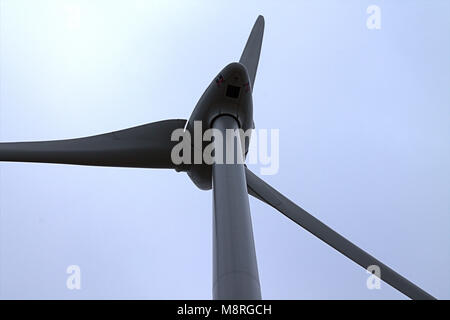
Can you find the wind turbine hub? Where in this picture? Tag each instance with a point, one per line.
(229, 93)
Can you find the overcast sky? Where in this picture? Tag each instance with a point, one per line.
(364, 120)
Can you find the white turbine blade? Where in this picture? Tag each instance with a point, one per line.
(264, 192)
(252, 50)
(145, 146)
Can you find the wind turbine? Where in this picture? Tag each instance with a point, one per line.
(226, 104)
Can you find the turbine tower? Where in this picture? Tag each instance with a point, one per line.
(226, 104)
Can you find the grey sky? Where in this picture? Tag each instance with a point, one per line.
(364, 144)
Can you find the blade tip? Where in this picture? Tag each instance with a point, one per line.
(260, 19)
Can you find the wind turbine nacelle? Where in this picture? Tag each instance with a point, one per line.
(230, 93)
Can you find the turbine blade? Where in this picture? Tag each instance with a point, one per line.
(261, 190)
(145, 146)
(252, 50)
